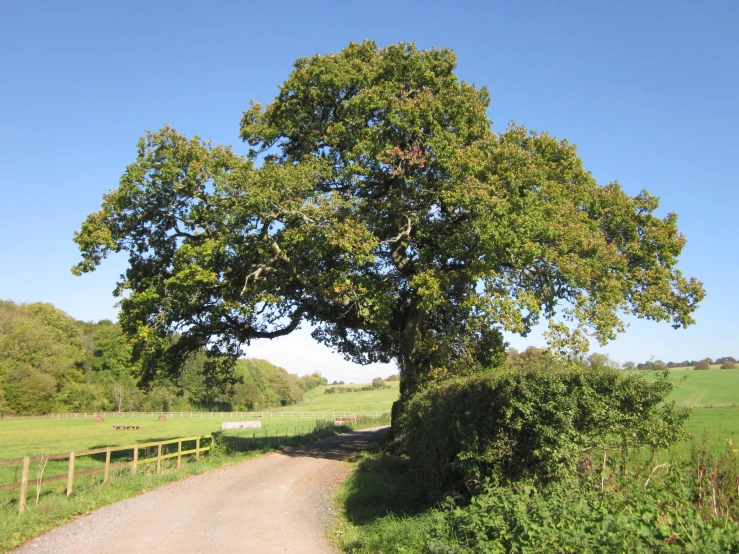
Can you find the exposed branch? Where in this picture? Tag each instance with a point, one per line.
(404, 233)
(294, 322)
(653, 471)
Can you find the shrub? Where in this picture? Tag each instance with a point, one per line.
(571, 516)
(533, 424)
(394, 377)
(378, 383)
(703, 364)
(728, 365)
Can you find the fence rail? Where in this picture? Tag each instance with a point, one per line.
(220, 415)
(72, 456)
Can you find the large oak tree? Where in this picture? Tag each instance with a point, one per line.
(378, 206)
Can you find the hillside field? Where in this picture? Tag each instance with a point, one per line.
(714, 388)
(380, 400)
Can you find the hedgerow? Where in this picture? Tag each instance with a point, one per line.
(533, 424)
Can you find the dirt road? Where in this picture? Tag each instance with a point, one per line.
(279, 502)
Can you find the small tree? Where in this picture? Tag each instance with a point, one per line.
(728, 365)
(629, 366)
(118, 392)
(703, 364)
(378, 383)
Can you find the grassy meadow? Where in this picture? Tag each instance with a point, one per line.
(24, 437)
(713, 399)
(714, 388)
(712, 395)
(379, 400)
(37, 437)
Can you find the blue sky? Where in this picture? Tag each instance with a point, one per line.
(648, 92)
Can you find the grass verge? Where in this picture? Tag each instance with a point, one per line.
(381, 508)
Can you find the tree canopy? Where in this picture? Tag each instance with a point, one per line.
(378, 205)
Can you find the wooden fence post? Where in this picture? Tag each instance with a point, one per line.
(107, 465)
(135, 458)
(179, 454)
(70, 474)
(159, 458)
(197, 448)
(24, 485)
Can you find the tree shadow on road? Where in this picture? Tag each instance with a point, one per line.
(331, 443)
(339, 447)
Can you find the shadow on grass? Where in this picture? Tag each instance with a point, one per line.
(382, 485)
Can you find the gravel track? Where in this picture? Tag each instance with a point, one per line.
(278, 502)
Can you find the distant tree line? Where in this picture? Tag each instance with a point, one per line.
(534, 357)
(705, 363)
(50, 362)
(377, 383)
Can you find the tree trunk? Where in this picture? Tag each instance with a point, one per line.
(412, 363)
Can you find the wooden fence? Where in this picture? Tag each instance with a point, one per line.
(221, 415)
(72, 456)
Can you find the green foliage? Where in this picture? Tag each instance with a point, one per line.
(688, 504)
(49, 362)
(572, 516)
(534, 423)
(377, 383)
(111, 351)
(378, 205)
(393, 377)
(43, 357)
(729, 365)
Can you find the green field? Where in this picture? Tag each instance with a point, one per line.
(699, 389)
(380, 400)
(24, 437)
(713, 398)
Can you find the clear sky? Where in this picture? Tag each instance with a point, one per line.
(647, 90)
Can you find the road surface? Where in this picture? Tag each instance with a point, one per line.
(278, 502)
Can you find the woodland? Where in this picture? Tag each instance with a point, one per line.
(50, 362)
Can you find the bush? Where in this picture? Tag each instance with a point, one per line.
(571, 516)
(690, 504)
(394, 377)
(703, 364)
(378, 383)
(728, 365)
(532, 424)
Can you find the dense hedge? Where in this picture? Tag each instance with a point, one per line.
(573, 516)
(532, 424)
